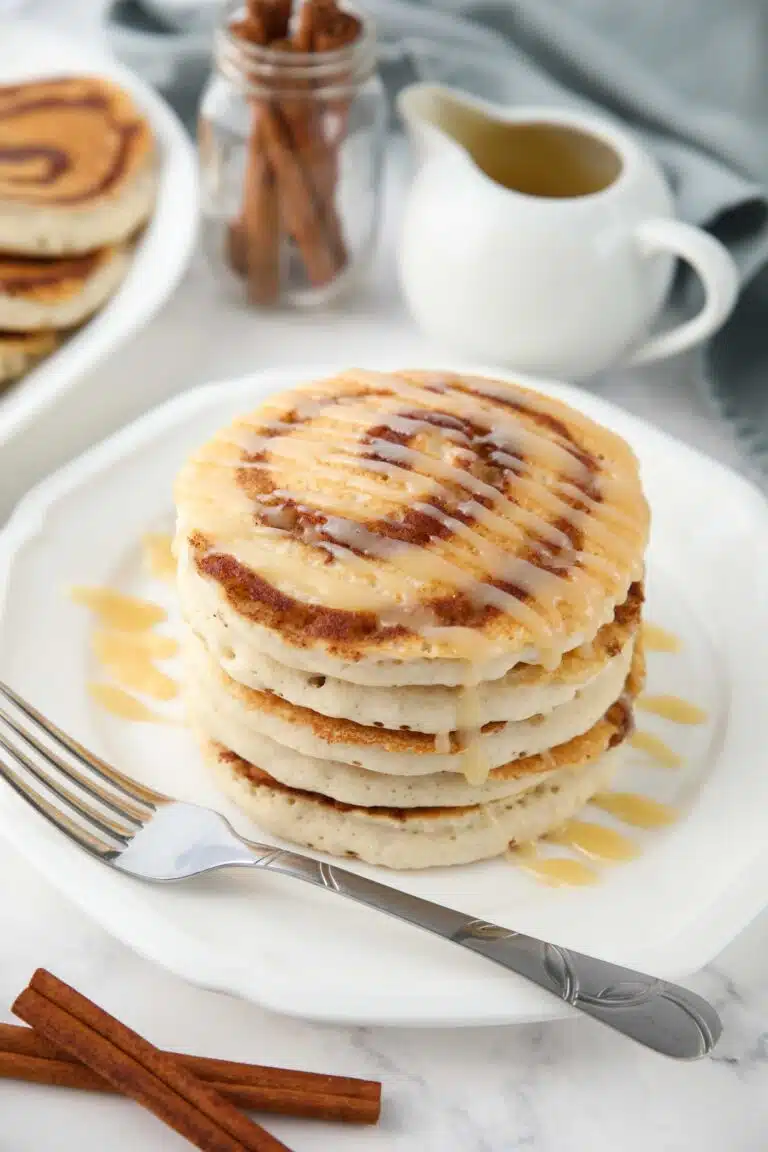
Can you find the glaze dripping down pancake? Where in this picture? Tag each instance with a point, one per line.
(359, 785)
(243, 719)
(526, 690)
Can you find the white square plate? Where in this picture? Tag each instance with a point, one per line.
(161, 255)
(295, 949)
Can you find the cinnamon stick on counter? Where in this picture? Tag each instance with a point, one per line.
(154, 1079)
(25, 1055)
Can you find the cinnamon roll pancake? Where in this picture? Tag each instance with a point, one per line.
(393, 529)
(413, 604)
(77, 166)
(36, 292)
(20, 351)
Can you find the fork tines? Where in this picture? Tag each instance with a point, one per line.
(61, 779)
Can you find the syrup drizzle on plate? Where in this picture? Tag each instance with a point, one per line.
(126, 648)
(594, 840)
(120, 703)
(672, 708)
(158, 556)
(655, 747)
(132, 666)
(600, 843)
(631, 808)
(116, 610)
(657, 639)
(557, 871)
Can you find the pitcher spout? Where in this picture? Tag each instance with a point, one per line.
(430, 113)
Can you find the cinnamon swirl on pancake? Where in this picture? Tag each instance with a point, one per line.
(36, 292)
(413, 605)
(77, 166)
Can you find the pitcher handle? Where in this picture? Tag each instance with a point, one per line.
(718, 274)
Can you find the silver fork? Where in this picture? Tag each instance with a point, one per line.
(150, 836)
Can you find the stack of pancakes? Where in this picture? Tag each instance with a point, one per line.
(77, 179)
(412, 605)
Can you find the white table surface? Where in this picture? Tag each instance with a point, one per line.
(546, 1088)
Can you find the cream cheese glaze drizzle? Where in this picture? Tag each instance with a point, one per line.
(309, 444)
(475, 764)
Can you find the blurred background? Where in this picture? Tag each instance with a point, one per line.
(688, 76)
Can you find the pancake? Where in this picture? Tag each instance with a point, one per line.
(407, 838)
(359, 786)
(526, 690)
(20, 351)
(412, 604)
(77, 166)
(411, 528)
(38, 293)
(240, 716)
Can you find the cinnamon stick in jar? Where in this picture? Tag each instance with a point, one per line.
(254, 239)
(292, 168)
(332, 29)
(322, 27)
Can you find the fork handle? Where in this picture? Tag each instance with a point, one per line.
(655, 1013)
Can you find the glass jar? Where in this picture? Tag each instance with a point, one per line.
(291, 147)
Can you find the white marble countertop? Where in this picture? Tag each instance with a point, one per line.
(565, 1085)
(571, 1085)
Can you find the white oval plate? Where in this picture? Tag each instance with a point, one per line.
(298, 950)
(163, 252)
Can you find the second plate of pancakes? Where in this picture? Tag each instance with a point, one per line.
(98, 212)
(692, 885)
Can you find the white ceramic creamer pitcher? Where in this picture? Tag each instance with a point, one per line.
(545, 239)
